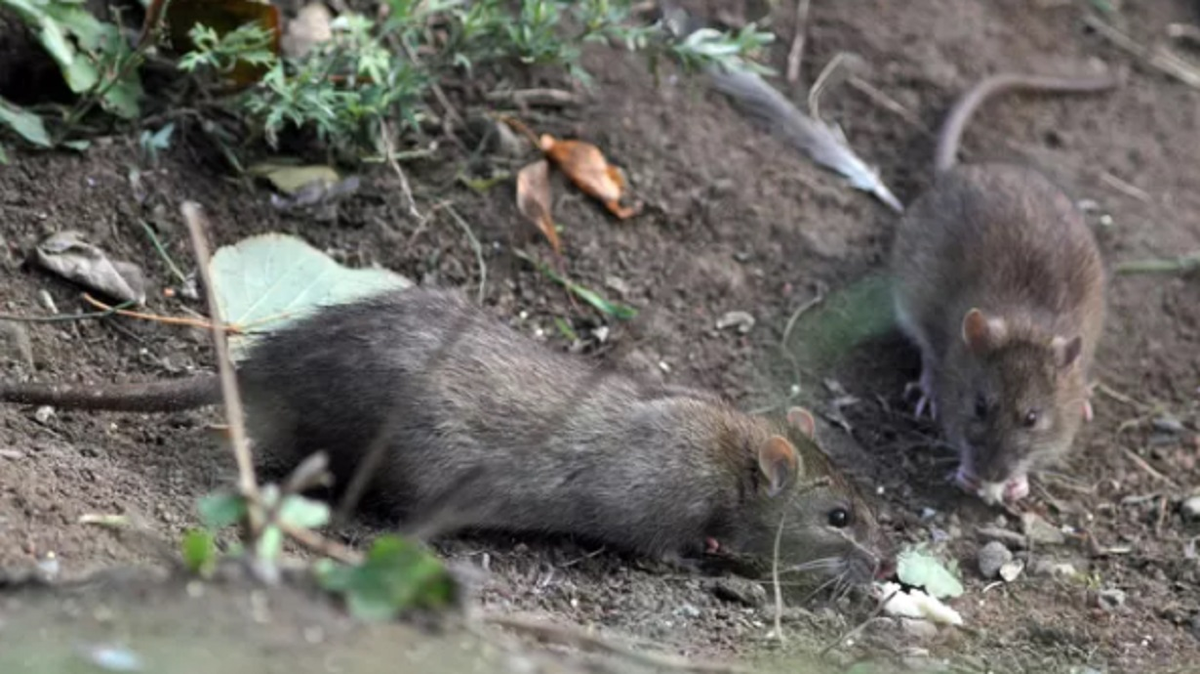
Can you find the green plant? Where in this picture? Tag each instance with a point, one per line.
(96, 62)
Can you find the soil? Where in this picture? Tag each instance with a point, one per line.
(733, 222)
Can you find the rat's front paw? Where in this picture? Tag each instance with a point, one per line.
(1016, 488)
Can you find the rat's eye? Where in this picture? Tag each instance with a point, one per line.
(1030, 419)
(839, 518)
(981, 406)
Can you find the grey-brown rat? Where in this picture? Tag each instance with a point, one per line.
(999, 282)
(512, 436)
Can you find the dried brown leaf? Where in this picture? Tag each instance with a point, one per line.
(586, 166)
(533, 200)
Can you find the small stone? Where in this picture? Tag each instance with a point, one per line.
(1111, 599)
(44, 414)
(1168, 424)
(1010, 539)
(743, 321)
(741, 591)
(1191, 508)
(921, 629)
(1053, 567)
(15, 344)
(1010, 570)
(992, 557)
(1039, 531)
(618, 284)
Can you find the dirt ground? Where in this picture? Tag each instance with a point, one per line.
(733, 222)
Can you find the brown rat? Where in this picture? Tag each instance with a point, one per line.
(998, 280)
(531, 439)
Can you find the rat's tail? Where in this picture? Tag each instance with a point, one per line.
(161, 396)
(952, 128)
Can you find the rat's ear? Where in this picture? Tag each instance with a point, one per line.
(981, 333)
(803, 421)
(779, 462)
(1066, 351)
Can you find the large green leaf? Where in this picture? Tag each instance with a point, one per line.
(25, 123)
(265, 282)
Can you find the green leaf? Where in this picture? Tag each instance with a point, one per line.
(77, 145)
(614, 309)
(199, 551)
(3, 156)
(221, 510)
(54, 39)
(25, 123)
(397, 574)
(289, 179)
(917, 566)
(303, 513)
(270, 543)
(267, 281)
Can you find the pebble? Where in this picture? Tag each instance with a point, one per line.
(1168, 424)
(1039, 531)
(1011, 570)
(15, 343)
(741, 591)
(44, 414)
(1010, 539)
(1053, 567)
(1111, 599)
(743, 321)
(922, 629)
(1191, 508)
(992, 557)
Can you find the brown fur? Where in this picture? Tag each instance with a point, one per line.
(488, 429)
(1004, 241)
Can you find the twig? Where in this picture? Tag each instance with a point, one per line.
(775, 579)
(1182, 263)
(109, 311)
(1184, 31)
(1141, 463)
(318, 543)
(818, 87)
(1161, 59)
(796, 52)
(542, 97)
(475, 244)
(858, 628)
(580, 639)
(1125, 188)
(169, 320)
(162, 251)
(1120, 397)
(385, 133)
(787, 332)
(887, 102)
(248, 485)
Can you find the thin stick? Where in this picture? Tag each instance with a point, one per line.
(796, 53)
(1126, 188)
(169, 320)
(1185, 31)
(317, 543)
(887, 102)
(109, 311)
(818, 87)
(775, 579)
(580, 639)
(475, 244)
(385, 133)
(162, 251)
(248, 485)
(1161, 59)
(858, 628)
(542, 97)
(1141, 463)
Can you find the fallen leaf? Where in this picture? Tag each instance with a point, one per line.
(917, 566)
(25, 123)
(69, 256)
(290, 179)
(586, 166)
(533, 200)
(265, 282)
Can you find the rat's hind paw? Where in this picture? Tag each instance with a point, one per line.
(926, 400)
